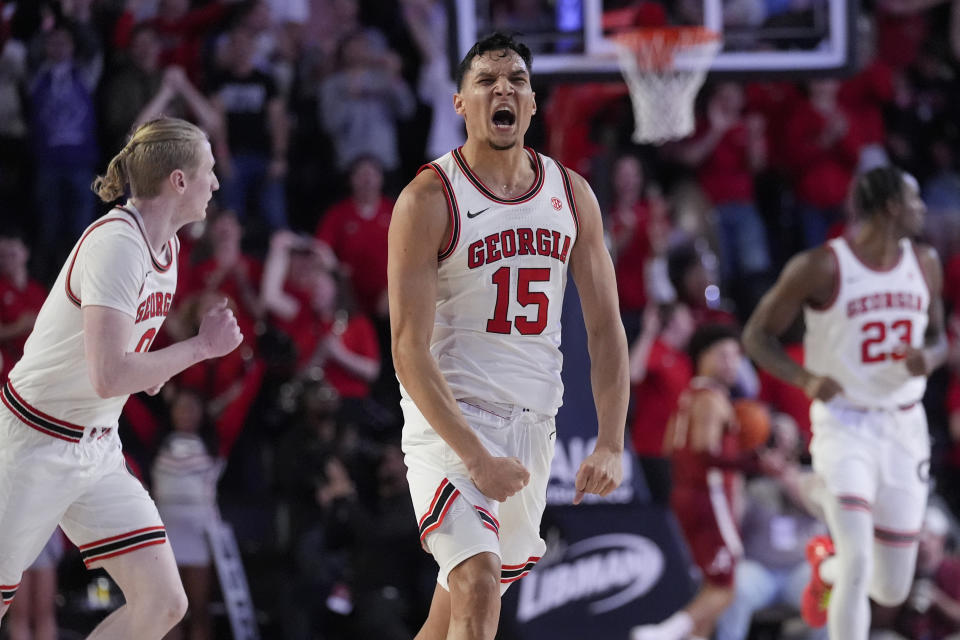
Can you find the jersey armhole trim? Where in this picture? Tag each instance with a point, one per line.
(75, 299)
(159, 266)
(571, 197)
(452, 208)
(836, 285)
(923, 272)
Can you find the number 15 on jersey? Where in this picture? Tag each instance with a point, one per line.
(501, 278)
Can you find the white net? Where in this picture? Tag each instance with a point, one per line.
(664, 69)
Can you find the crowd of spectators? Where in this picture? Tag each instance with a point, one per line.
(319, 111)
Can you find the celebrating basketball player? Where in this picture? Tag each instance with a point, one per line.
(479, 247)
(874, 332)
(699, 443)
(60, 457)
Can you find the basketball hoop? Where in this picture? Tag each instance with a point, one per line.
(664, 68)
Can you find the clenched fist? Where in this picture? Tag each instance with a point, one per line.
(219, 333)
(499, 478)
(822, 388)
(600, 473)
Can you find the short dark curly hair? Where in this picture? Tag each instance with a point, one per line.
(494, 42)
(878, 188)
(707, 336)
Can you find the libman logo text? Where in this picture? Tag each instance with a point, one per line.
(607, 571)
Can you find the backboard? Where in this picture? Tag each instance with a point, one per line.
(761, 37)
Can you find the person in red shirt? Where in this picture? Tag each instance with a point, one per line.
(20, 300)
(637, 227)
(228, 272)
(727, 149)
(951, 283)
(775, 102)
(181, 29)
(305, 301)
(659, 372)
(356, 230)
(825, 140)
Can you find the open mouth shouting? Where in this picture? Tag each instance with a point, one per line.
(504, 118)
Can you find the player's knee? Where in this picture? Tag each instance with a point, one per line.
(168, 604)
(856, 565)
(474, 586)
(176, 605)
(891, 592)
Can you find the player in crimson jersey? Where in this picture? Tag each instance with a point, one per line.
(874, 332)
(479, 247)
(60, 456)
(705, 463)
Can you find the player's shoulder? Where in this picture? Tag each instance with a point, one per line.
(818, 263)
(114, 222)
(577, 181)
(929, 261)
(812, 276)
(927, 255)
(115, 228)
(426, 191)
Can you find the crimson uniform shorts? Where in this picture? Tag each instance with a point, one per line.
(456, 520)
(77, 479)
(709, 528)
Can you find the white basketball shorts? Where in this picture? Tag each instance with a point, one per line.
(456, 520)
(874, 459)
(83, 485)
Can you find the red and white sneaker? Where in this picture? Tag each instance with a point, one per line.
(816, 596)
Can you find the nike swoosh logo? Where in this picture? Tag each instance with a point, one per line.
(474, 215)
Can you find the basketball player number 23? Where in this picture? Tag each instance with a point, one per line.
(499, 323)
(875, 334)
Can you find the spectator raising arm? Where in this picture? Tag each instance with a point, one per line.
(176, 83)
(274, 298)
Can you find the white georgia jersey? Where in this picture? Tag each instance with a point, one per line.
(858, 338)
(112, 265)
(501, 279)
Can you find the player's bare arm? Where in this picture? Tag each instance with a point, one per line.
(922, 362)
(114, 371)
(592, 270)
(809, 278)
(419, 227)
(709, 412)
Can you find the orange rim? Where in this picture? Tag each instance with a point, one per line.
(655, 47)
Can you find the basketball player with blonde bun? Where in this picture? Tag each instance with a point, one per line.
(874, 333)
(479, 246)
(60, 456)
